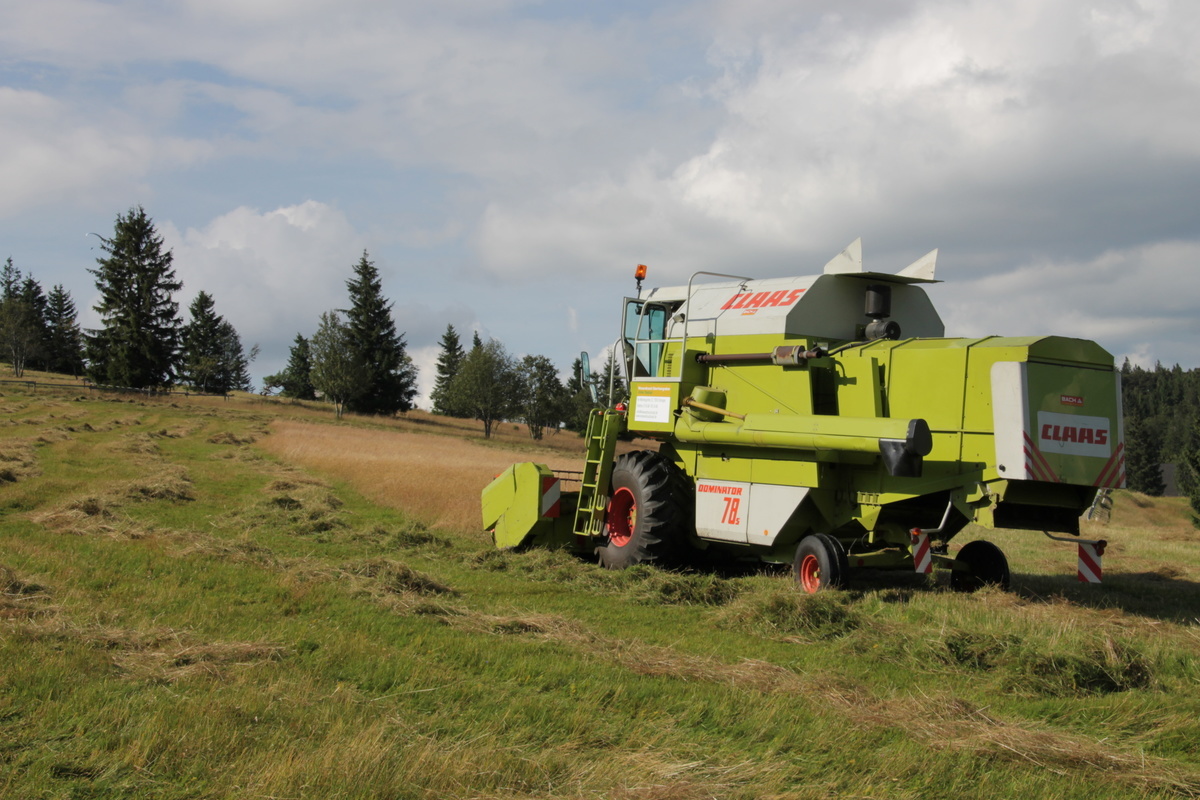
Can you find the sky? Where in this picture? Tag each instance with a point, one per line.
(507, 163)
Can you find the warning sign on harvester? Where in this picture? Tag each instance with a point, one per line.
(652, 403)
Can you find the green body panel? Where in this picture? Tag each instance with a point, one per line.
(512, 506)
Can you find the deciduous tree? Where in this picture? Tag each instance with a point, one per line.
(485, 387)
(541, 399)
(337, 372)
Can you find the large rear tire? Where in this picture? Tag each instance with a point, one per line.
(646, 517)
(820, 563)
(985, 566)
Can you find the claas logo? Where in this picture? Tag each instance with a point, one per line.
(779, 299)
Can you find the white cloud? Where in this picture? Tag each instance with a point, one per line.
(1134, 302)
(992, 128)
(49, 154)
(270, 273)
(552, 146)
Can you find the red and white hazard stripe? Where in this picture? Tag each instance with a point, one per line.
(551, 497)
(1113, 474)
(922, 557)
(1036, 463)
(1090, 554)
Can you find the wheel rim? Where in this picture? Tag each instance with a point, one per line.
(810, 573)
(621, 517)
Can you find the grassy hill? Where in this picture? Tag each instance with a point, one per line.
(203, 599)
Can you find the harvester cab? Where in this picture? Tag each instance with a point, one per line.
(825, 421)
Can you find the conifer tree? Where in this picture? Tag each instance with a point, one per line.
(64, 342)
(389, 377)
(448, 363)
(138, 342)
(22, 318)
(200, 356)
(10, 279)
(233, 371)
(1143, 470)
(295, 381)
(34, 298)
(580, 403)
(612, 387)
(212, 359)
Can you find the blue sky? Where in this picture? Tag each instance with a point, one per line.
(507, 163)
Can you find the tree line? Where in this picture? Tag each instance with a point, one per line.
(1162, 426)
(142, 342)
(356, 358)
(358, 361)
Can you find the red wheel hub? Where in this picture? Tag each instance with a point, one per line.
(620, 517)
(810, 573)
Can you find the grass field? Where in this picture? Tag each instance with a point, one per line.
(203, 599)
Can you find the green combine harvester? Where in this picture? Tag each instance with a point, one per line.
(825, 421)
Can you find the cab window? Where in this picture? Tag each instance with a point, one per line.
(644, 335)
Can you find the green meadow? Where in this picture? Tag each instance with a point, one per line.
(187, 613)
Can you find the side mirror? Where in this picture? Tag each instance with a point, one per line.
(585, 376)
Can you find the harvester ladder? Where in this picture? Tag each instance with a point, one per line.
(603, 427)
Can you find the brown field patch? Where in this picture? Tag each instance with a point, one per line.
(435, 478)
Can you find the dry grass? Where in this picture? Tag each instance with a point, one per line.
(20, 598)
(17, 461)
(436, 478)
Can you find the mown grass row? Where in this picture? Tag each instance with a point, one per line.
(182, 616)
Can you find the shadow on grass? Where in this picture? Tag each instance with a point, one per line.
(1147, 594)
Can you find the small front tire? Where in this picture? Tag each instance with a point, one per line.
(820, 563)
(985, 566)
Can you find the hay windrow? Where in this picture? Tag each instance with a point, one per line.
(227, 437)
(397, 578)
(18, 461)
(21, 598)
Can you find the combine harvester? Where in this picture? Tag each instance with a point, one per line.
(824, 421)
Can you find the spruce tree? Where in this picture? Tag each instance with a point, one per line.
(212, 359)
(612, 387)
(138, 342)
(22, 318)
(200, 354)
(1143, 467)
(579, 401)
(10, 279)
(389, 377)
(64, 343)
(448, 363)
(233, 364)
(296, 379)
